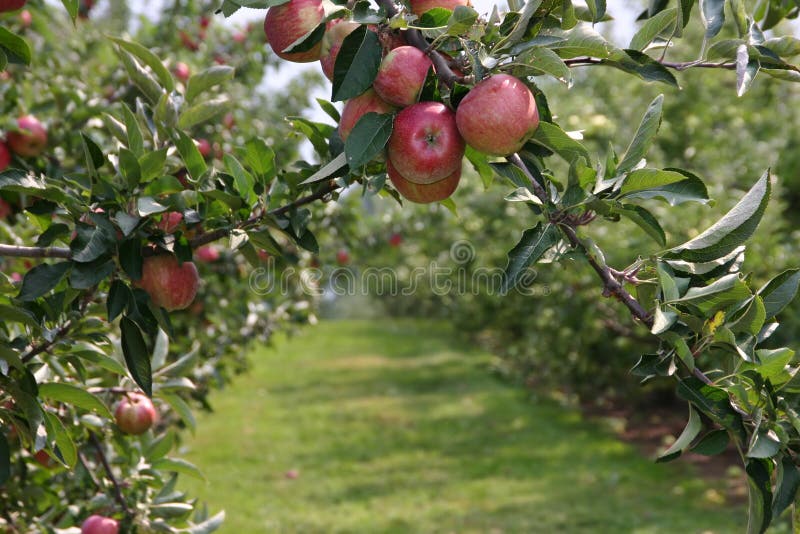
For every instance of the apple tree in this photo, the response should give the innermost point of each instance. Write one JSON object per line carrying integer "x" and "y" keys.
{"x": 114, "y": 202}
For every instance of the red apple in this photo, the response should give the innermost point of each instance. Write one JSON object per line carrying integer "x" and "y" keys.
{"x": 25, "y": 18}
{"x": 16, "y": 278}
{"x": 395, "y": 240}
{"x": 286, "y": 23}
{"x": 424, "y": 193}
{"x": 97, "y": 524}
{"x": 205, "y": 22}
{"x": 418, "y": 7}
{"x": 342, "y": 257}
{"x": 135, "y": 414}
{"x": 5, "y": 156}
{"x": 187, "y": 41}
{"x": 44, "y": 459}
{"x": 181, "y": 71}
{"x": 170, "y": 222}
{"x": 335, "y": 32}
{"x": 204, "y": 147}
{"x": 5, "y": 208}
{"x": 30, "y": 138}
{"x": 229, "y": 121}
{"x": 170, "y": 284}
{"x": 425, "y": 145}
{"x": 401, "y": 75}
{"x": 355, "y": 108}
{"x": 11, "y": 5}
{"x": 207, "y": 254}
{"x": 498, "y": 115}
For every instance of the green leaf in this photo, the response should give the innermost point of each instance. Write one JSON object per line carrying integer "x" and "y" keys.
{"x": 151, "y": 164}
{"x": 436, "y": 17}
{"x": 461, "y": 20}
{"x": 86, "y": 275}
{"x": 129, "y": 167}
{"x": 146, "y": 57}
{"x": 713, "y": 443}
{"x": 712, "y": 13}
{"x": 787, "y": 483}
{"x": 521, "y": 25}
{"x": 242, "y": 180}
{"x": 180, "y": 407}
{"x": 671, "y": 185}
{"x": 204, "y": 111}
{"x": 5, "y": 460}
{"x": 202, "y": 81}
{"x": 195, "y": 164}
{"x": 645, "y": 220}
{"x": 66, "y": 451}
{"x": 718, "y": 295}
{"x": 597, "y": 8}
{"x": 368, "y": 138}
{"x": 178, "y": 465}
{"x": 481, "y": 165}
{"x": 759, "y": 486}
{"x": 582, "y": 40}
{"x": 653, "y": 27}
{"x": 765, "y": 445}
{"x": 643, "y": 138}
{"x": 137, "y": 357}
{"x": 17, "y": 314}
{"x": 772, "y": 364}
{"x": 260, "y": 158}
{"x": 554, "y": 138}
{"x": 118, "y": 297}
{"x": 134, "y": 132}
{"x": 746, "y": 70}
{"x": 356, "y": 64}
{"x": 534, "y": 243}
{"x": 72, "y": 8}
{"x": 327, "y": 170}
{"x": 142, "y": 78}
{"x": 308, "y": 41}
{"x": 75, "y": 396}
{"x": 780, "y": 291}
{"x": 42, "y": 279}
{"x": 641, "y": 65}
{"x": 547, "y": 61}
{"x": 732, "y": 230}
{"x": 16, "y": 49}
{"x": 693, "y": 428}
{"x": 713, "y": 402}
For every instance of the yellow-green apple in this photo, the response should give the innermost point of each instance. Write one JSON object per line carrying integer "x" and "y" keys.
{"x": 207, "y": 254}
{"x": 401, "y": 75}
{"x": 181, "y": 71}
{"x": 171, "y": 285}
{"x": 29, "y": 139}
{"x": 5, "y": 156}
{"x": 135, "y": 414}
{"x": 11, "y": 5}
{"x": 498, "y": 115}
{"x": 97, "y": 524}
{"x": 424, "y": 193}
{"x": 418, "y": 7}
{"x": 335, "y": 32}
{"x": 425, "y": 145}
{"x": 170, "y": 222}
{"x": 286, "y": 23}
{"x": 357, "y": 107}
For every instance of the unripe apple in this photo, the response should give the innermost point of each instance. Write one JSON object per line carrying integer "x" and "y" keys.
{"x": 418, "y": 7}
{"x": 207, "y": 254}
{"x": 5, "y": 156}
{"x": 170, "y": 284}
{"x": 11, "y": 5}
{"x": 425, "y": 145}
{"x": 286, "y": 23}
{"x": 170, "y": 222}
{"x": 335, "y": 32}
{"x": 357, "y": 107}
{"x": 97, "y": 524}
{"x": 498, "y": 115}
{"x": 182, "y": 71}
{"x": 135, "y": 414}
{"x": 30, "y": 139}
{"x": 342, "y": 257}
{"x": 424, "y": 193}
{"x": 401, "y": 75}
{"x": 204, "y": 147}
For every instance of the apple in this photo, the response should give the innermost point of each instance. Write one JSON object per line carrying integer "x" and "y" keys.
{"x": 16, "y": 278}
{"x": 181, "y": 71}
{"x": 335, "y": 32}
{"x": 498, "y": 115}
{"x": 204, "y": 147}
{"x": 424, "y": 193}
{"x": 135, "y": 414}
{"x": 170, "y": 222}
{"x": 187, "y": 41}
{"x": 44, "y": 459}
{"x": 11, "y": 5}
{"x": 425, "y": 145}
{"x": 30, "y": 138}
{"x": 395, "y": 240}
{"x": 229, "y": 121}
{"x": 97, "y": 524}
{"x": 207, "y": 254}
{"x": 205, "y": 22}
{"x": 401, "y": 75}
{"x": 171, "y": 285}
{"x": 418, "y": 7}
{"x": 286, "y": 23}
{"x": 25, "y": 18}
{"x": 5, "y": 156}
{"x": 5, "y": 208}
{"x": 342, "y": 257}
{"x": 355, "y": 108}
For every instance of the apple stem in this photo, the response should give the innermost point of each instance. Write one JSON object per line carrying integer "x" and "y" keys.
{"x": 104, "y": 460}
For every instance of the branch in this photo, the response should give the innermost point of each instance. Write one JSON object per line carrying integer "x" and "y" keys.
{"x": 104, "y": 460}
{"x": 35, "y": 252}
{"x": 679, "y": 66}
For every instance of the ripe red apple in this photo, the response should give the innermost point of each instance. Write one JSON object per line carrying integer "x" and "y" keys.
{"x": 498, "y": 115}
{"x": 11, "y": 5}
{"x": 342, "y": 257}
{"x": 44, "y": 459}
{"x": 170, "y": 222}
{"x": 229, "y": 121}
{"x": 207, "y": 254}
{"x": 204, "y": 147}
{"x": 205, "y": 22}
{"x": 425, "y": 145}
{"x": 335, "y": 32}
{"x": 5, "y": 208}
{"x": 135, "y": 414}
{"x": 286, "y": 23}
{"x": 395, "y": 240}
{"x": 355, "y": 108}
{"x": 181, "y": 71}
{"x": 5, "y": 156}
{"x": 30, "y": 139}
{"x": 418, "y": 7}
{"x": 424, "y": 193}
{"x": 25, "y": 18}
{"x": 170, "y": 284}
{"x": 97, "y": 524}
{"x": 401, "y": 75}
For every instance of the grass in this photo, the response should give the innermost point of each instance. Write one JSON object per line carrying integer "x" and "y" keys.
{"x": 398, "y": 427}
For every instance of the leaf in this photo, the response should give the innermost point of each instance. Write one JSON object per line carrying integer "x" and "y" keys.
{"x": 137, "y": 358}
{"x": 534, "y": 243}
{"x": 118, "y": 297}
{"x": 16, "y": 49}
{"x": 772, "y": 363}
{"x": 720, "y": 294}
{"x": 202, "y": 81}
{"x": 190, "y": 155}
{"x": 653, "y": 27}
{"x": 554, "y": 138}
{"x": 72, "y": 8}
{"x": 86, "y": 275}
{"x": 368, "y": 138}
{"x": 780, "y": 291}
{"x": 693, "y": 428}
{"x": 134, "y": 133}
{"x": 712, "y": 13}
{"x": 787, "y": 484}
{"x": 260, "y": 158}
{"x": 713, "y": 443}
{"x": 66, "y": 451}
{"x": 746, "y": 70}
{"x": 671, "y": 185}
{"x": 641, "y": 65}
{"x": 547, "y": 61}
{"x": 764, "y": 445}
{"x": 582, "y": 40}
{"x": 41, "y": 279}
{"x": 204, "y": 111}
{"x": 481, "y": 165}
{"x": 5, "y": 459}
{"x": 356, "y": 64}
{"x": 75, "y": 396}
{"x": 308, "y": 41}
{"x": 180, "y": 406}
{"x": 327, "y": 170}
{"x": 461, "y": 20}
{"x": 733, "y": 229}
{"x": 713, "y": 402}
{"x": 146, "y": 57}
{"x": 521, "y": 25}
{"x": 643, "y": 138}
{"x": 178, "y": 465}
{"x": 242, "y": 180}
{"x": 759, "y": 496}
{"x": 597, "y": 8}
{"x": 645, "y": 220}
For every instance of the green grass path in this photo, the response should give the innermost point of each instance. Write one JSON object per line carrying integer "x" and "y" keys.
{"x": 398, "y": 427}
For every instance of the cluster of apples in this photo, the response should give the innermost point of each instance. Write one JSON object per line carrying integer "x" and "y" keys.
{"x": 425, "y": 151}
{"x": 27, "y": 141}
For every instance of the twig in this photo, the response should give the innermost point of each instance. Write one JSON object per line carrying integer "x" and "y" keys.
{"x": 104, "y": 460}
{"x": 34, "y": 252}
{"x": 679, "y": 66}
